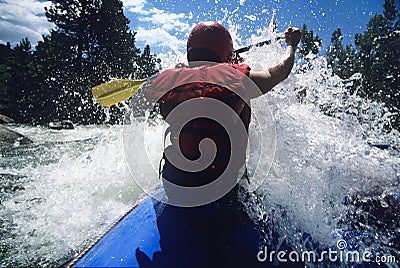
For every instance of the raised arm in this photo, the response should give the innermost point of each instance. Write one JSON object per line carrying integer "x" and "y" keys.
{"x": 270, "y": 77}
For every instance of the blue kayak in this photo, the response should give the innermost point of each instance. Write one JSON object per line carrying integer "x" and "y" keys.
{"x": 154, "y": 234}
{"x": 136, "y": 229}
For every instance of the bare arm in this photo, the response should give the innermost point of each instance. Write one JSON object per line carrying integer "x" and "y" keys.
{"x": 270, "y": 77}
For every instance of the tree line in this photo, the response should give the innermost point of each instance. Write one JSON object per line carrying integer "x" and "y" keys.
{"x": 375, "y": 55}
{"x": 90, "y": 44}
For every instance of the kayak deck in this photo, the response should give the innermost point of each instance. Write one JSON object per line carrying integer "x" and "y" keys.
{"x": 153, "y": 234}
{"x": 116, "y": 246}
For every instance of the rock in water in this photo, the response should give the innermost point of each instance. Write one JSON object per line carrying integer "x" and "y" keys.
{"x": 9, "y": 137}
{"x": 5, "y": 119}
{"x": 63, "y": 124}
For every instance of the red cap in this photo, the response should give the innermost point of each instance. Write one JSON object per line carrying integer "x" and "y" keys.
{"x": 211, "y": 35}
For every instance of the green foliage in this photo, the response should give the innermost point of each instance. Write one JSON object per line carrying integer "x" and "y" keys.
{"x": 19, "y": 84}
{"x": 379, "y": 56}
{"x": 147, "y": 66}
{"x": 309, "y": 42}
{"x": 90, "y": 44}
{"x": 5, "y": 99}
{"x": 5, "y": 75}
{"x": 147, "y": 63}
{"x": 342, "y": 60}
{"x": 376, "y": 56}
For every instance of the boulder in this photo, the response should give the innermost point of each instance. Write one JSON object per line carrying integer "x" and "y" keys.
{"x": 5, "y": 119}
{"x": 9, "y": 137}
{"x": 62, "y": 124}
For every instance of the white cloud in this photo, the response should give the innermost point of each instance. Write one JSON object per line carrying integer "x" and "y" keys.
{"x": 130, "y": 3}
{"x": 14, "y": 33}
{"x": 23, "y": 18}
{"x": 158, "y": 27}
{"x": 157, "y": 36}
{"x": 171, "y": 49}
{"x": 168, "y": 21}
{"x": 135, "y": 6}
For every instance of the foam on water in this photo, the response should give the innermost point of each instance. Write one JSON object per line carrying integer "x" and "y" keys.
{"x": 69, "y": 192}
{"x": 322, "y": 158}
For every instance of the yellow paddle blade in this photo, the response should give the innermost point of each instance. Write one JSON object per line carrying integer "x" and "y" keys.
{"x": 115, "y": 91}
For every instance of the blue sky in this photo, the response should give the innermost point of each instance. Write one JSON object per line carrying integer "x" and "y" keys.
{"x": 158, "y": 22}
{"x": 165, "y": 24}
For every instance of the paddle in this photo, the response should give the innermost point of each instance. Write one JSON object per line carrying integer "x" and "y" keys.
{"x": 260, "y": 44}
{"x": 119, "y": 90}
{"x": 115, "y": 91}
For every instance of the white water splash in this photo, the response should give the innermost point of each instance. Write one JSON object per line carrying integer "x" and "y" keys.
{"x": 322, "y": 154}
{"x": 70, "y": 192}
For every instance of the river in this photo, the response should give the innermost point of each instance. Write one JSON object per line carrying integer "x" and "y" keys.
{"x": 58, "y": 194}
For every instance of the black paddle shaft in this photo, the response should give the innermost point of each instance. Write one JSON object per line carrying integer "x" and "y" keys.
{"x": 247, "y": 48}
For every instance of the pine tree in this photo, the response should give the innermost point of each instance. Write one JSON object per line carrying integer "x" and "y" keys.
{"x": 5, "y": 75}
{"x": 113, "y": 52}
{"x": 341, "y": 59}
{"x": 391, "y": 45}
{"x": 309, "y": 42}
{"x": 379, "y": 56}
{"x": 148, "y": 64}
{"x": 22, "y": 83}
{"x": 91, "y": 44}
{"x": 55, "y": 57}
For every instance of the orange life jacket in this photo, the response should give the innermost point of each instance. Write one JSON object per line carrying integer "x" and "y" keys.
{"x": 223, "y": 82}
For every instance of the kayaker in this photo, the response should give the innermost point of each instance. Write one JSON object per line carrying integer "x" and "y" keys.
{"x": 203, "y": 150}
{"x": 207, "y": 107}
